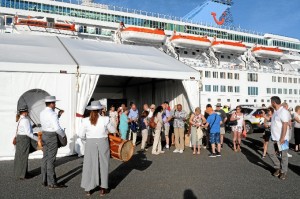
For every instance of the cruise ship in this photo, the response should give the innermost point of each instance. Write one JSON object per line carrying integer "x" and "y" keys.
{"x": 236, "y": 66}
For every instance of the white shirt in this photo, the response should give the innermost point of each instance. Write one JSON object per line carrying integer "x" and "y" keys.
{"x": 279, "y": 116}
{"x": 49, "y": 121}
{"x": 100, "y": 130}
{"x": 150, "y": 114}
{"x": 297, "y": 124}
{"x": 24, "y": 128}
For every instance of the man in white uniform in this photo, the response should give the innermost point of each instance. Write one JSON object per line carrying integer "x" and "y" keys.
{"x": 50, "y": 127}
{"x": 279, "y": 136}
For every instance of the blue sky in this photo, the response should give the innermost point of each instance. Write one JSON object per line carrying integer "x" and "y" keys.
{"x": 280, "y": 17}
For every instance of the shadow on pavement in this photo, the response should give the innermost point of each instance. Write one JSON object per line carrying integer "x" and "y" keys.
{"x": 295, "y": 168}
{"x": 70, "y": 175}
{"x": 59, "y": 161}
{"x": 254, "y": 159}
{"x": 138, "y": 161}
{"x": 253, "y": 144}
{"x": 228, "y": 142}
{"x": 189, "y": 194}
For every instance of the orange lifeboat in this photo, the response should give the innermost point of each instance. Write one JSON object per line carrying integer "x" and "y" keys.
{"x": 44, "y": 24}
{"x": 192, "y": 42}
{"x": 268, "y": 52}
{"x": 144, "y": 35}
{"x": 229, "y": 47}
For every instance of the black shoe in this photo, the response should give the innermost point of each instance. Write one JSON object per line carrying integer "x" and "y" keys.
{"x": 57, "y": 186}
{"x": 218, "y": 154}
{"x": 44, "y": 184}
{"x": 213, "y": 155}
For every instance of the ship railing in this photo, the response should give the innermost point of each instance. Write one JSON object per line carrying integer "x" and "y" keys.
{"x": 158, "y": 15}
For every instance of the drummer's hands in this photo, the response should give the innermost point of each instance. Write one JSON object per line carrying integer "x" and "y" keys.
{"x": 60, "y": 112}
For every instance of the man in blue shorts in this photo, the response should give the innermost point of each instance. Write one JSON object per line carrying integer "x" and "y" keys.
{"x": 214, "y": 122}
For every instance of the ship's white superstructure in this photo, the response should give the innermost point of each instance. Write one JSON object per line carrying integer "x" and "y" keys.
{"x": 237, "y": 66}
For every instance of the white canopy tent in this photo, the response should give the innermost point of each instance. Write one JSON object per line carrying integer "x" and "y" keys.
{"x": 71, "y": 70}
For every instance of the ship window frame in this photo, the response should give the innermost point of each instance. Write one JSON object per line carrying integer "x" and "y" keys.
{"x": 222, "y": 75}
{"x": 207, "y": 88}
{"x": 215, "y": 88}
{"x": 223, "y": 89}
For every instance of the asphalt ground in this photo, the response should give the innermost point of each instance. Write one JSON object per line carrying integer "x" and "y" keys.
{"x": 233, "y": 175}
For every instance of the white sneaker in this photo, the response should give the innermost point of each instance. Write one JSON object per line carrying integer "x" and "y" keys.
{"x": 176, "y": 151}
{"x": 180, "y": 151}
{"x": 289, "y": 155}
{"x": 167, "y": 146}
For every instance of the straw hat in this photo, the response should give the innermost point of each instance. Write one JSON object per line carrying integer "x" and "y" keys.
{"x": 50, "y": 99}
{"x": 218, "y": 105}
{"x": 95, "y": 105}
{"x": 23, "y": 108}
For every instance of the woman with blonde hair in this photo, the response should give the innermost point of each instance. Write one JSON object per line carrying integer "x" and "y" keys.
{"x": 196, "y": 121}
{"x": 94, "y": 130}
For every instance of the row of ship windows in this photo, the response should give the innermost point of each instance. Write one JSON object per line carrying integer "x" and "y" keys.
{"x": 254, "y": 100}
{"x": 251, "y": 77}
{"x": 80, "y": 13}
{"x": 285, "y": 79}
{"x": 230, "y": 89}
{"x": 222, "y": 75}
{"x": 284, "y": 91}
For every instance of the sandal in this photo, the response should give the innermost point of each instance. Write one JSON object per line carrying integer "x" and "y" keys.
{"x": 87, "y": 193}
{"x": 103, "y": 192}
{"x": 194, "y": 153}
{"x": 198, "y": 152}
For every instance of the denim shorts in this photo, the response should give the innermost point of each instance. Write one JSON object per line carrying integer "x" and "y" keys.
{"x": 214, "y": 138}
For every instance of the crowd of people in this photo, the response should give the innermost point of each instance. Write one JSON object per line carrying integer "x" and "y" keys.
{"x": 154, "y": 124}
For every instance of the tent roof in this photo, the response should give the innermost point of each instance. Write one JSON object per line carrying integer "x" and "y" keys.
{"x": 127, "y": 60}
{"x": 28, "y": 53}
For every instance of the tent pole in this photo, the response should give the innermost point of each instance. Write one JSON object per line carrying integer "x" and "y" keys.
{"x": 153, "y": 91}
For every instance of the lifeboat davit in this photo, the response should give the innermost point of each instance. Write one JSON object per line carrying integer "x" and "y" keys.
{"x": 192, "y": 42}
{"x": 229, "y": 47}
{"x": 268, "y": 52}
{"x": 144, "y": 35}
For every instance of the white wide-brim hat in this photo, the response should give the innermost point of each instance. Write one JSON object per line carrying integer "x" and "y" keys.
{"x": 95, "y": 105}
{"x": 50, "y": 99}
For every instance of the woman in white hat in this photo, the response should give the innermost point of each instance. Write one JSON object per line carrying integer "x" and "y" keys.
{"x": 24, "y": 138}
{"x": 94, "y": 130}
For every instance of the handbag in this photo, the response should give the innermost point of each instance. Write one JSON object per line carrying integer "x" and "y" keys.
{"x": 187, "y": 140}
{"x": 232, "y": 123}
{"x": 62, "y": 141}
{"x": 199, "y": 133}
{"x": 15, "y": 138}
{"x": 244, "y": 134}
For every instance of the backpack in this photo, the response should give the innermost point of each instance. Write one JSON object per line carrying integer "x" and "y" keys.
{"x": 152, "y": 123}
